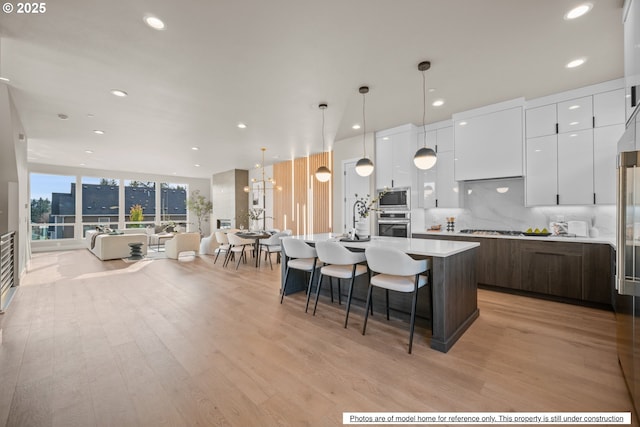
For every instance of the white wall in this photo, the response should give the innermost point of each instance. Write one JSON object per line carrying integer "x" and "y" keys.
{"x": 202, "y": 184}
{"x": 348, "y": 149}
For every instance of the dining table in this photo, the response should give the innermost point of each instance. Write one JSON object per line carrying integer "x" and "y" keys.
{"x": 256, "y": 236}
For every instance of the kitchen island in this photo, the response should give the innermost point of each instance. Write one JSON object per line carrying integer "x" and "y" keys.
{"x": 454, "y": 297}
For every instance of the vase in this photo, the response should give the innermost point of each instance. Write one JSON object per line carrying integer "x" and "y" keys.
{"x": 362, "y": 227}
{"x": 255, "y": 225}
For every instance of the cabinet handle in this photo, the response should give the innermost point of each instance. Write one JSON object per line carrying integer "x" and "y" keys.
{"x": 436, "y": 203}
{"x": 557, "y": 128}
{"x": 557, "y": 199}
{"x": 391, "y": 183}
{"x": 594, "y": 198}
{"x": 593, "y": 124}
{"x": 549, "y": 253}
{"x": 634, "y": 98}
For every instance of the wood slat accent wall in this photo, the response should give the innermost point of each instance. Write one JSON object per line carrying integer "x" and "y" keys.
{"x": 304, "y": 205}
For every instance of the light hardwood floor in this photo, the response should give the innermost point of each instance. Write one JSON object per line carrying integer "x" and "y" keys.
{"x": 167, "y": 342}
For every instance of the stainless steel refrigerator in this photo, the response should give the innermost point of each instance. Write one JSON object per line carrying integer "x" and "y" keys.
{"x": 627, "y": 295}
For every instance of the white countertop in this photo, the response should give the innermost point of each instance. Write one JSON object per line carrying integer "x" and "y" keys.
{"x": 602, "y": 240}
{"x": 425, "y": 247}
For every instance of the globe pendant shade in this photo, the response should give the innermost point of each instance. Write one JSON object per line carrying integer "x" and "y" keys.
{"x": 323, "y": 174}
{"x": 425, "y": 158}
{"x": 364, "y": 167}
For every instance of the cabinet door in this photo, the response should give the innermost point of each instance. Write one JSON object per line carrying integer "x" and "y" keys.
{"x": 554, "y": 269}
{"x": 631, "y": 55}
{"x": 448, "y": 189}
{"x": 384, "y": 162}
{"x": 402, "y": 153}
{"x": 605, "y": 141}
{"x": 445, "y": 139}
{"x": 542, "y": 171}
{"x": 597, "y": 283}
{"x": 576, "y": 114}
{"x": 541, "y": 121}
{"x": 428, "y": 186}
{"x": 608, "y": 108}
{"x": 575, "y": 168}
{"x": 490, "y": 145}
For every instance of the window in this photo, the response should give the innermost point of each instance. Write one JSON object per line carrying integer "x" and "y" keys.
{"x": 100, "y": 202}
{"x": 173, "y": 202}
{"x": 53, "y": 206}
{"x": 139, "y": 194}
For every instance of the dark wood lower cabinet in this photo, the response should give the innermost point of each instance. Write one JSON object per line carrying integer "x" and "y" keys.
{"x": 552, "y": 268}
{"x": 577, "y": 271}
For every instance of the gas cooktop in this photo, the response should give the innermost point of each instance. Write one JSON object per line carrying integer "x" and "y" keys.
{"x": 492, "y": 232}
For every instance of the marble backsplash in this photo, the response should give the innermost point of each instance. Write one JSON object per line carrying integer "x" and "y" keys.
{"x": 486, "y": 208}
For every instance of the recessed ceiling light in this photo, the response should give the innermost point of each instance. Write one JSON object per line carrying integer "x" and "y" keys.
{"x": 573, "y": 135}
{"x": 538, "y": 150}
{"x": 154, "y": 22}
{"x": 438, "y": 103}
{"x": 98, "y": 132}
{"x": 356, "y": 126}
{"x": 462, "y": 123}
{"x": 573, "y": 123}
{"x": 63, "y": 116}
{"x": 88, "y": 151}
{"x": 195, "y": 148}
{"x": 574, "y": 107}
{"x": 502, "y": 190}
{"x": 242, "y": 126}
{"x": 578, "y": 11}
{"x": 197, "y": 165}
{"x": 82, "y": 164}
{"x": 119, "y": 93}
{"x": 4, "y": 79}
{"x": 386, "y": 138}
{"x": 575, "y": 63}
{"x": 174, "y": 173}
{"x": 91, "y": 115}
{"x": 431, "y": 89}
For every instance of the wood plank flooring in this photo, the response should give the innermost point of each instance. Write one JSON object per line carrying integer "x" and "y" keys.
{"x": 167, "y": 342}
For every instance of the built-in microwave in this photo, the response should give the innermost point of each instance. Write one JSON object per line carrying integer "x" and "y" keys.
{"x": 395, "y": 198}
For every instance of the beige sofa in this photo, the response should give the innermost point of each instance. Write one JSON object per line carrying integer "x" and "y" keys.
{"x": 107, "y": 246}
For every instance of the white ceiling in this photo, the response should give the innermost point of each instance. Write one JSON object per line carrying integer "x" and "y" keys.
{"x": 270, "y": 63}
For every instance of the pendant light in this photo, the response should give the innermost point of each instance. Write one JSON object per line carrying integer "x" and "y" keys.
{"x": 364, "y": 166}
{"x": 425, "y": 158}
{"x": 323, "y": 174}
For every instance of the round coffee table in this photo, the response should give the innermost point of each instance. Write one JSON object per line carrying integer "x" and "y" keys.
{"x": 136, "y": 251}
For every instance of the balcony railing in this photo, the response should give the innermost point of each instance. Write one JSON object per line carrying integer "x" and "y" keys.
{"x": 7, "y": 266}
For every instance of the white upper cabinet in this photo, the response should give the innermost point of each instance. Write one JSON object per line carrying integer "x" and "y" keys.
{"x": 394, "y": 157}
{"x": 437, "y": 186}
{"x": 489, "y": 142}
{"x": 608, "y": 108}
{"x": 605, "y": 140}
{"x": 575, "y": 168}
{"x": 541, "y": 121}
{"x": 542, "y": 166}
{"x": 590, "y": 121}
{"x": 631, "y": 56}
{"x": 576, "y": 114}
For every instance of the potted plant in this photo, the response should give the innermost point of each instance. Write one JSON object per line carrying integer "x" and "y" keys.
{"x": 201, "y": 207}
{"x": 136, "y": 215}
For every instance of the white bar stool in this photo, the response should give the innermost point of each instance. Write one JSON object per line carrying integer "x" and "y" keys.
{"x": 301, "y": 257}
{"x": 397, "y": 272}
{"x": 340, "y": 263}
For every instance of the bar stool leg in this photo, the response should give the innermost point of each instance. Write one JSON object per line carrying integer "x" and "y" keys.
{"x": 413, "y": 313}
{"x": 353, "y": 279}
{"x": 284, "y": 284}
{"x": 315, "y": 306}
{"x": 313, "y": 270}
{"x": 366, "y": 308}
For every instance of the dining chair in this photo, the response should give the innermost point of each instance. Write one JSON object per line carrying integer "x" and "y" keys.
{"x": 300, "y": 256}
{"x": 397, "y": 272}
{"x": 271, "y": 245}
{"x": 237, "y": 245}
{"x": 223, "y": 245}
{"x": 340, "y": 263}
